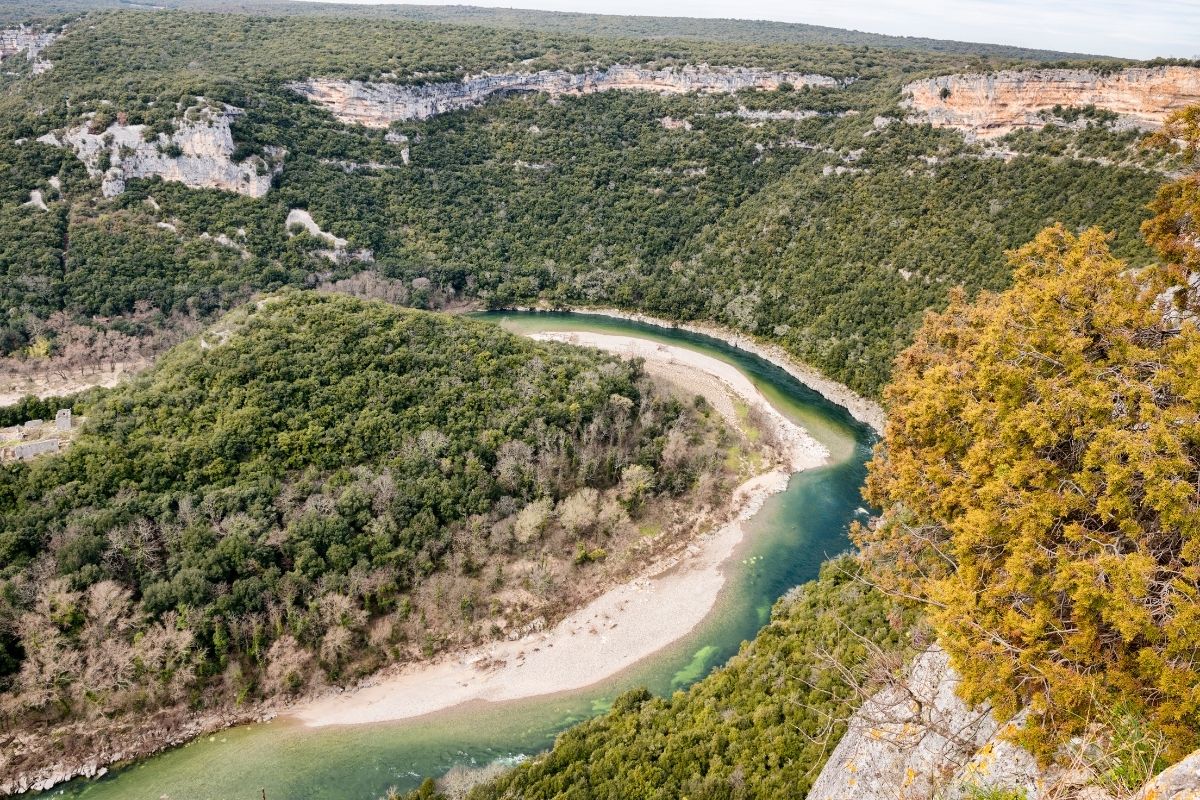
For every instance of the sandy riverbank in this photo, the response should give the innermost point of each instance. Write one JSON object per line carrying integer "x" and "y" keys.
{"x": 620, "y": 627}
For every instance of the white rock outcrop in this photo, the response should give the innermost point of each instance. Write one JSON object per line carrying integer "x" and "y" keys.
{"x": 917, "y": 740}
{"x": 378, "y": 105}
{"x": 37, "y": 200}
{"x": 992, "y": 105}
{"x": 28, "y": 41}
{"x": 198, "y": 154}
{"x": 770, "y": 116}
{"x": 338, "y": 252}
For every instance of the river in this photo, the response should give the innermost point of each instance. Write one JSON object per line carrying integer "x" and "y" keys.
{"x": 789, "y": 538}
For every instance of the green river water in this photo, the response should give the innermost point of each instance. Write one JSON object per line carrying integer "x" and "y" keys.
{"x": 789, "y": 538}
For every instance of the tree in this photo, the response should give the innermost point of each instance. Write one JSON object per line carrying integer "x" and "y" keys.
{"x": 577, "y": 513}
{"x": 1174, "y": 230}
{"x": 1039, "y": 471}
{"x": 636, "y": 482}
{"x": 532, "y": 519}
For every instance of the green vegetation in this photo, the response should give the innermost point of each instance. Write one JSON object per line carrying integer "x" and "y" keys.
{"x": 1038, "y": 475}
{"x": 313, "y": 489}
{"x": 320, "y": 486}
{"x": 828, "y": 235}
{"x": 640, "y": 27}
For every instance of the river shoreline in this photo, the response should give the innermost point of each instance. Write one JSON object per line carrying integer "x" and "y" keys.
{"x": 704, "y": 562}
{"x": 863, "y": 409}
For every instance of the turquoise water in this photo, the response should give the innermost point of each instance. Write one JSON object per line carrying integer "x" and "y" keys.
{"x": 789, "y": 538}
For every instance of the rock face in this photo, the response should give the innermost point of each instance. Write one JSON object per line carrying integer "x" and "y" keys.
{"x": 993, "y": 105}
{"x": 377, "y": 105}
{"x": 23, "y": 39}
{"x": 198, "y": 154}
{"x": 1180, "y": 782}
{"x": 919, "y": 740}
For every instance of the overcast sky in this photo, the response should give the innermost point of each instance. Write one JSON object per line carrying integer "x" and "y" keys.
{"x": 1129, "y": 28}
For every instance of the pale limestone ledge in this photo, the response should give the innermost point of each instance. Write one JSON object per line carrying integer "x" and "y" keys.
{"x": 917, "y": 740}
{"x": 28, "y": 41}
{"x": 378, "y": 105}
{"x": 299, "y": 218}
{"x": 992, "y": 105}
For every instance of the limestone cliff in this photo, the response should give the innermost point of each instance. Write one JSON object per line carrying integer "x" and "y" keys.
{"x": 993, "y": 105}
{"x": 377, "y": 105}
{"x": 199, "y": 154}
{"x": 916, "y": 740}
{"x": 26, "y": 40}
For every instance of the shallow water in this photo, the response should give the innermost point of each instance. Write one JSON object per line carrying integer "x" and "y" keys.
{"x": 789, "y": 538}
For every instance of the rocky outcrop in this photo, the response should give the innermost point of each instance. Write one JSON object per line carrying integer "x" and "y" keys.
{"x": 26, "y": 40}
{"x": 338, "y": 252}
{"x": 1180, "y": 782}
{"x": 199, "y": 154}
{"x": 915, "y": 740}
{"x": 993, "y": 105}
{"x": 378, "y": 105}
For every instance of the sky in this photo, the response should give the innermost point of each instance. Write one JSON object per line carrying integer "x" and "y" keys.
{"x": 1128, "y": 28}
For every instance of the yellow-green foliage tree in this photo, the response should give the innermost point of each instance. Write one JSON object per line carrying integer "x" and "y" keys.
{"x": 1174, "y": 230}
{"x": 1040, "y": 471}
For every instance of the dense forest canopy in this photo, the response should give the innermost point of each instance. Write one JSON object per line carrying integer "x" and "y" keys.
{"x": 609, "y": 26}
{"x": 314, "y": 488}
{"x": 827, "y": 233}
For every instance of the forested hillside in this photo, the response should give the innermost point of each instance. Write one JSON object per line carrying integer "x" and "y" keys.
{"x": 315, "y": 488}
{"x": 1038, "y": 475}
{"x": 306, "y": 487}
{"x": 642, "y": 27}
{"x": 812, "y": 217}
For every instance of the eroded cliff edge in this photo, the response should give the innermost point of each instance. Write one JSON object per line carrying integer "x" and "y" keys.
{"x": 917, "y": 740}
{"x": 378, "y": 105}
{"x": 24, "y": 39}
{"x": 995, "y": 104}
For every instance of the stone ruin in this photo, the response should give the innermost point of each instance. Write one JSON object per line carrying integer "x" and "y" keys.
{"x": 29, "y": 440}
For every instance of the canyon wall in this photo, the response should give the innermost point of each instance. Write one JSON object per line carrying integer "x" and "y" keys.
{"x": 993, "y": 105}
{"x": 198, "y": 154}
{"x": 28, "y": 41}
{"x": 377, "y": 105}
